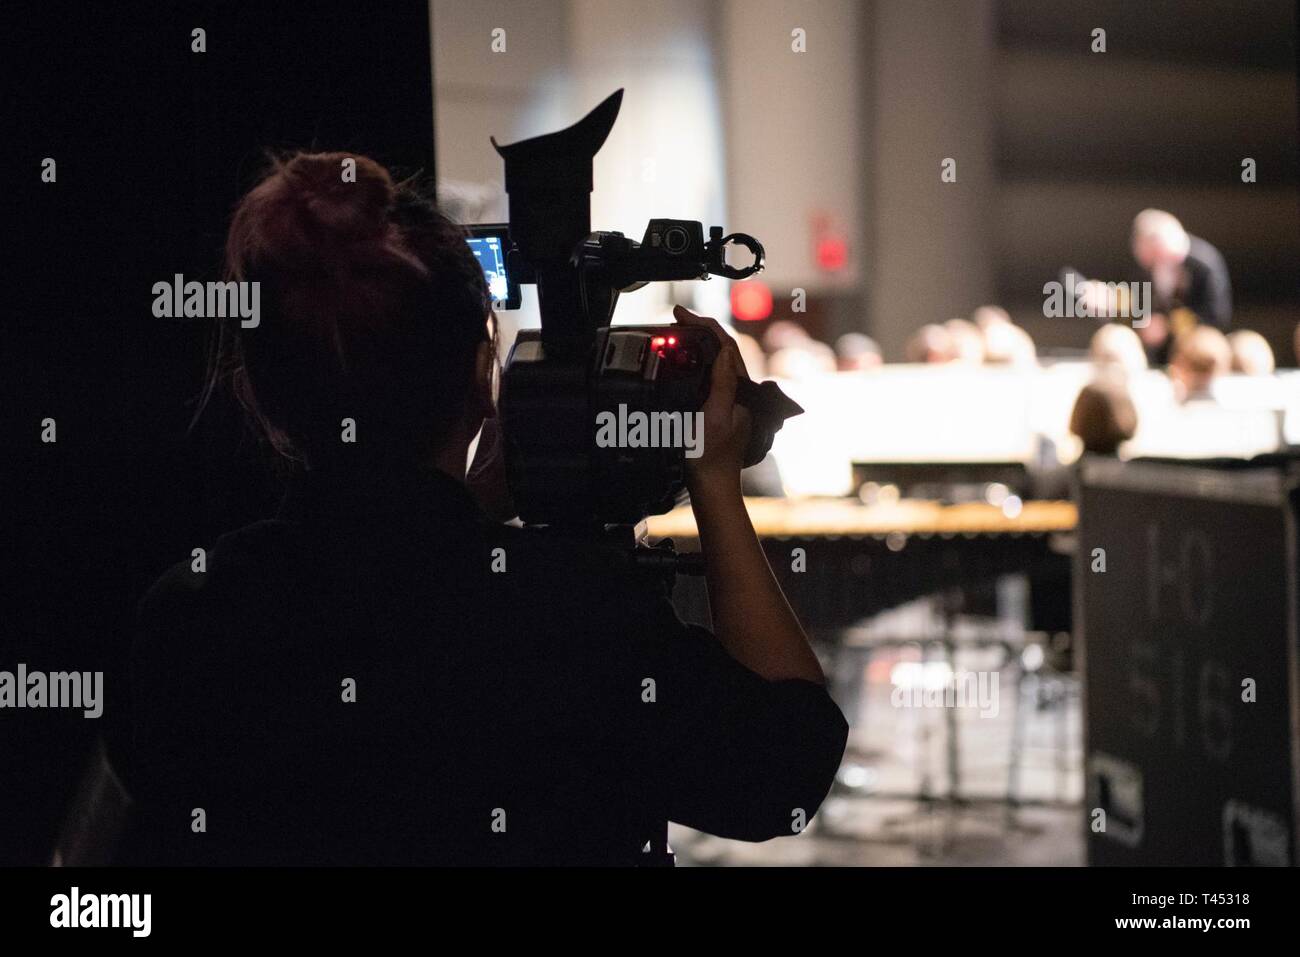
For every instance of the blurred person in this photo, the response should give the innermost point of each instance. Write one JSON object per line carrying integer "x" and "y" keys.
{"x": 1251, "y": 353}
{"x": 1189, "y": 281}
{"x": 474, "y": 695}
{"x": 783, "y": 333}
{"x": 855, "y": 352}
{"x": 1200, "y": 356}
{"x": 985, "y": 316}
{"x": 751, "y": 352}
{"x": 1117, "y": 345}
{"x": 1006, "y": 344}
{"x": 1104, "y": 416}
{"x": 807, "y": 358}
{"x": 931, "y": 344}
{"x": 967, "y": 341}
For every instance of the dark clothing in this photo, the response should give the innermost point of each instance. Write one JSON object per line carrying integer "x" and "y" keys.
{"x": 1205, "y": 289}
{"x": 500, "y": 717}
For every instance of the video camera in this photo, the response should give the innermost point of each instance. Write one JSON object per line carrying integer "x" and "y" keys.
{"x": 569, "y": 390}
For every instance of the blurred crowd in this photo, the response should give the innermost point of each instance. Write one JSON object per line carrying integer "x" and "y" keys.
{"x": 1180, "y": 332}
{"x": 1104, "y": 415}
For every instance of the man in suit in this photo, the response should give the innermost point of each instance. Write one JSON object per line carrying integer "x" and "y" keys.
{"x": 1189, "y": 281}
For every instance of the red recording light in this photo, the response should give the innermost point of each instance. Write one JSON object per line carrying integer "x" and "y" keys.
{"x": 661, "y": 345}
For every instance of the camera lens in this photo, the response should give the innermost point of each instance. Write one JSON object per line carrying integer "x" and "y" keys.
{"x": 676, "y": 240}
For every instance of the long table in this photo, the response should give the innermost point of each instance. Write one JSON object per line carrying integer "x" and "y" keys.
{"x": 817, "y": 518}
{"x": 839, "y": 561}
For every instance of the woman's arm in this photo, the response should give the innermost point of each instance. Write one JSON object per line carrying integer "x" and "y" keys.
{"x": 751, "y": 617}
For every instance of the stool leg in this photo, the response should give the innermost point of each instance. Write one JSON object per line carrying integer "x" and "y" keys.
{"x": 1017, "y": 746}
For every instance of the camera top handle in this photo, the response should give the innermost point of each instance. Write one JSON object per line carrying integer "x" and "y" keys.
{"x": 717, "y": 254}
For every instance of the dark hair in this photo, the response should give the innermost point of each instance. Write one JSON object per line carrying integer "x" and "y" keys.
{"x": 372, "y": 308}
{"x": 1103, "y": 416}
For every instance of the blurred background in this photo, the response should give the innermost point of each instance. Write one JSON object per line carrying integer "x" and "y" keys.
{"x": 832, "y": 156}
{"x": 919, "y": 170}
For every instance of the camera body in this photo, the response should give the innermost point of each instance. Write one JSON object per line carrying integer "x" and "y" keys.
{"x": 604, "y": 440}
{"x": 599, "y": 420}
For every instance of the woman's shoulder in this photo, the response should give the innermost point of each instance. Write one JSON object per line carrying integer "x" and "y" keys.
{"x": 579, "y": 584}
{"x": 236, "y": 556}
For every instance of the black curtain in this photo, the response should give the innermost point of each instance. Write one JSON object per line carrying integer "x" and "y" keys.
{"x": 153, "y": 144}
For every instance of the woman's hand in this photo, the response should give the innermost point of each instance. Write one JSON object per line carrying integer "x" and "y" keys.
{"x": 726, "y": 424}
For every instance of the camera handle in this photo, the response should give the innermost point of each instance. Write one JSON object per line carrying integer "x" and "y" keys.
{"x": 716, "y": 248}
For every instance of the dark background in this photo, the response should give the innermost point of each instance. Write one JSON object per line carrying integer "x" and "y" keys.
{"x": 154, "y": 144}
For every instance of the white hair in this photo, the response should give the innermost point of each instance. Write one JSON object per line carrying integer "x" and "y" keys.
{"x": 1163, "y": 227}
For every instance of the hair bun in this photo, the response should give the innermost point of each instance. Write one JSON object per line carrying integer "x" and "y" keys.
{"x": 342, "y": 201}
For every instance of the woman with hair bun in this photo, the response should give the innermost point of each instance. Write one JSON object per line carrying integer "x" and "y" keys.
{"x": 383, "y": 673}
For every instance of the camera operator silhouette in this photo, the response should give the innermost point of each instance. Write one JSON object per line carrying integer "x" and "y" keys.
{"x": 384, "y": 672}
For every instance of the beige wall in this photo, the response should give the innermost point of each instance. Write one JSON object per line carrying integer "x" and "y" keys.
{"x": 931, "y": 100}
{"x": 794, "y": 133}
{"x": 665, "y": 156}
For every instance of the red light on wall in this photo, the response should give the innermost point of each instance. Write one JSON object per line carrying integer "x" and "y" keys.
{"x": 751, "y": 301}
{"x": 832, "y": 253}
